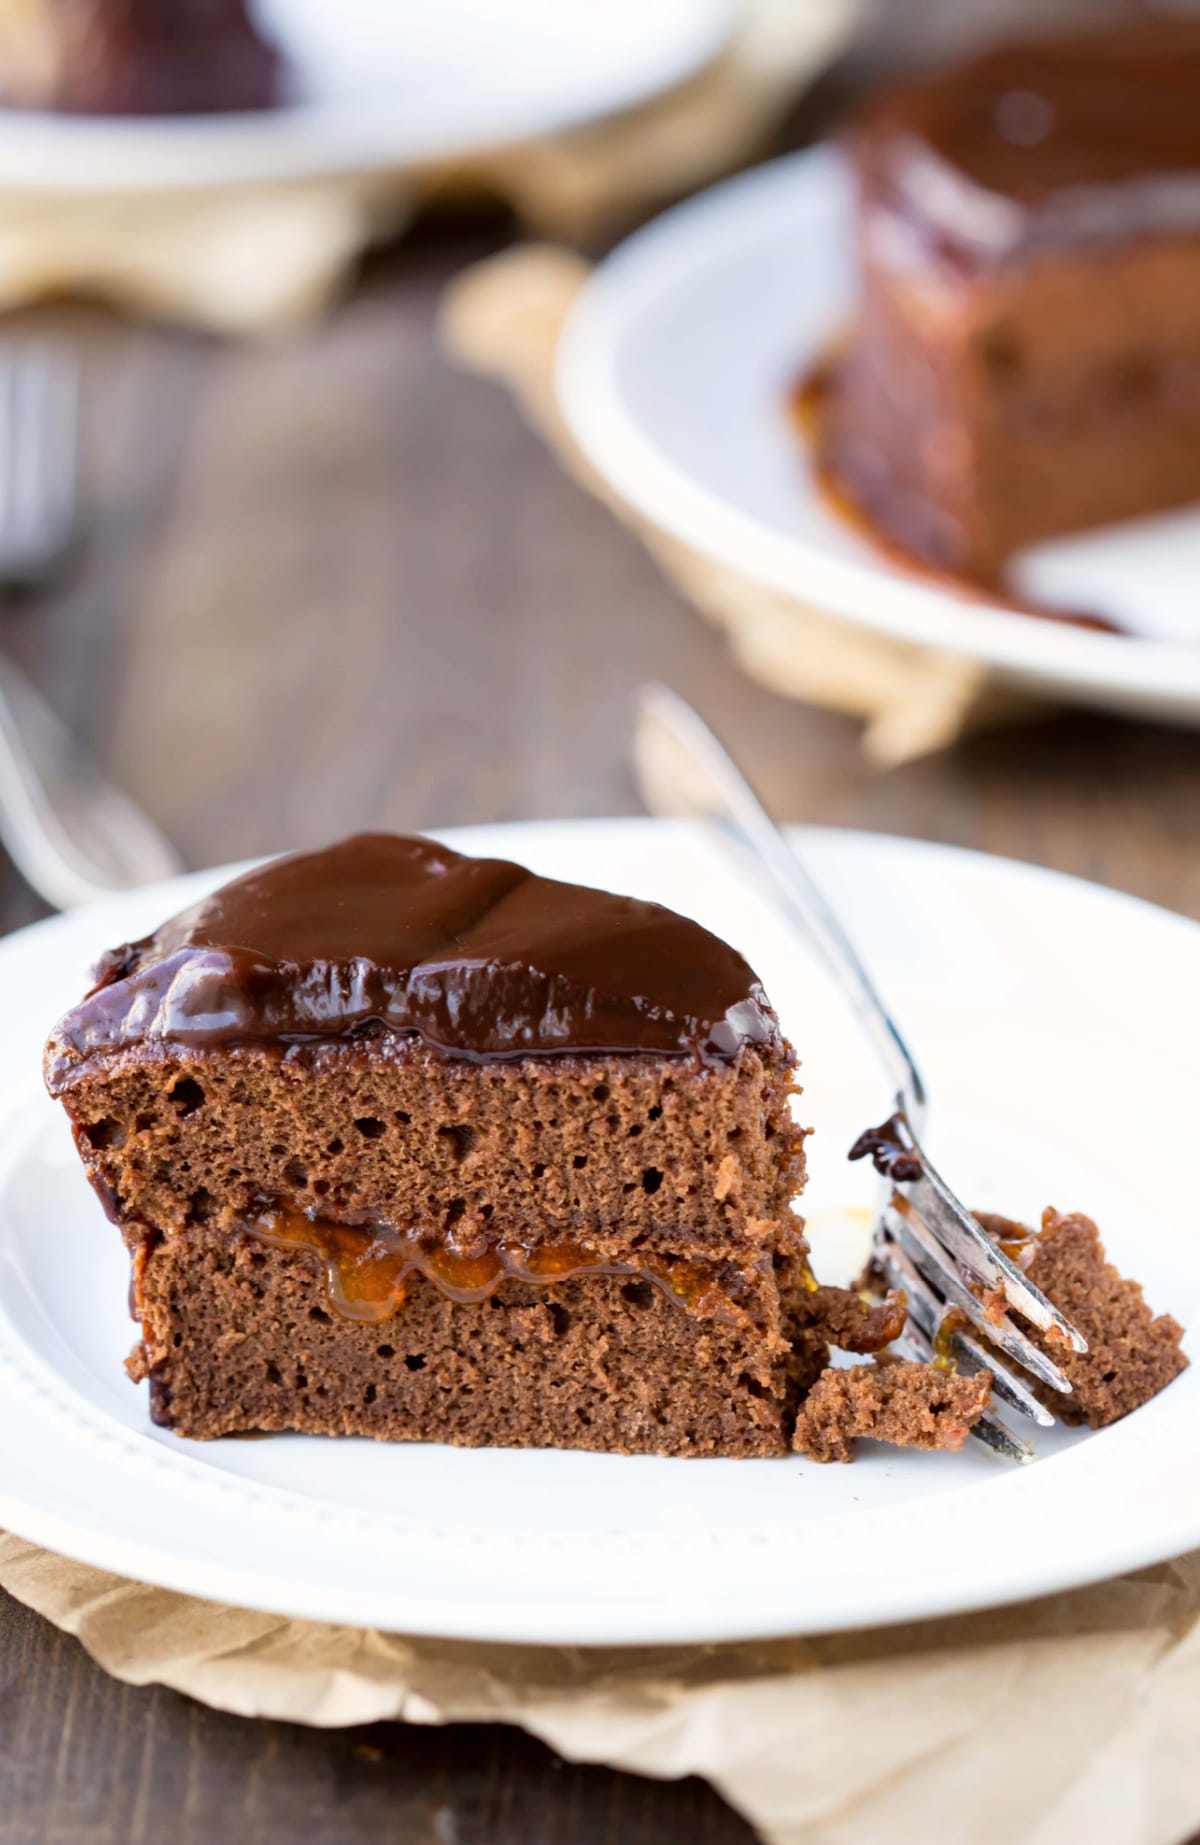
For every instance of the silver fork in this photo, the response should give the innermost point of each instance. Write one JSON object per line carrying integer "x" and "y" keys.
{"x": 71, "y": 833}
{"x": 39, "y": 461}
{"x": 925, "y": 1237}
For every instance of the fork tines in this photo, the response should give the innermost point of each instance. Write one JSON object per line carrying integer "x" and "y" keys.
{"x": 930, "y": 1246}
{"x": 943, "y": 1331}
{"x": 927, "y": 1243}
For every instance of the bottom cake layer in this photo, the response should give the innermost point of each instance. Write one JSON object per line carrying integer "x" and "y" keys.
{"x": 241, "y": 1334}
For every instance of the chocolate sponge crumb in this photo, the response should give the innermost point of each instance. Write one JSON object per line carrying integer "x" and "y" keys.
{"x": 855, "y": 1325}
{"x": 1132, "y": 1353}
{"x": 893, "y": 1400}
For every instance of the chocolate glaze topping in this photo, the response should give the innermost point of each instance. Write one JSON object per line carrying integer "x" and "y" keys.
{"x": 477, "y": 957}
{"x": 1042, "y": 143}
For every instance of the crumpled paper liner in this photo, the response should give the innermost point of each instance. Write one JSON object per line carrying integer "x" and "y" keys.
{"x": 503, "y": 317}
{"x": 1074, "y": 1717}
{"x": 245, "y": 259}
{"x": 234, "y": 260}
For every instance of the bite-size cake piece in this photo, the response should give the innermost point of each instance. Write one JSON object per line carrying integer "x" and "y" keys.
{"x": 421, "y": 1146}
{"x": 1133, "y": 1353}
{"x": 892, "y": 1400}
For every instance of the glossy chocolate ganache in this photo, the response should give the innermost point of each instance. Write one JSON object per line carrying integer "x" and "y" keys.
{"x": 1041, "y": 144}
{"x": 479, "y": 958}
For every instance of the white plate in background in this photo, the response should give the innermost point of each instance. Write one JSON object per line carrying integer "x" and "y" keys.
{"x": 674, "y": 372}
{"x": 386, "y": 83}
{"x": 1057, "y": 1024}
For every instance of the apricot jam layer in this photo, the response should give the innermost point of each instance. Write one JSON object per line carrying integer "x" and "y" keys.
{"x": 368, "y": 1268}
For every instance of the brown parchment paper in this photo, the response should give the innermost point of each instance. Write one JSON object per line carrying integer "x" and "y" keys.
{"x": 1071, "y": 1718}
{"x": 503, "y": 318}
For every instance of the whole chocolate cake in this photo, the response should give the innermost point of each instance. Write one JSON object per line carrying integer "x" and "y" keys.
{"x": 134, "y": 57}
{"x": 1025, "y": 356}
{"x": 421, "y": 1146}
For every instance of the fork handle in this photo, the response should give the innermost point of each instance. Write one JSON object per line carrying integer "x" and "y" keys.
{"x": 71, "y": 834}
{"x": 683, "y": 768}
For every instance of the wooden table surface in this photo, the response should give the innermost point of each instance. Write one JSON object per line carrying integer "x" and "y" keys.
{"x": 332, "y": 584}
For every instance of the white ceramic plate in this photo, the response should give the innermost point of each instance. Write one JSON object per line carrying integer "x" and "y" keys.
{"x": 387, "y": 83}
{"x": 1057, "y": 1023}
{"x": 674, "y": 372}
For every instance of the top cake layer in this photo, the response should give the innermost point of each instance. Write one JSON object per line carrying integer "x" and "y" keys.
{"x": 1043, "y": 143}
{"x": 479, "y": 958}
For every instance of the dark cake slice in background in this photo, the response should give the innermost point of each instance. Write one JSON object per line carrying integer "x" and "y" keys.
{"x": 419, "y": 1146}
{"x": 135, "y": 57}
{"x": 1024, "y": 359}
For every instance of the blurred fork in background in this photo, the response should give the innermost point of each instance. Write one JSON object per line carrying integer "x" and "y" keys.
{"x": 39, "y": 462}
{"x": 72, "y": 835}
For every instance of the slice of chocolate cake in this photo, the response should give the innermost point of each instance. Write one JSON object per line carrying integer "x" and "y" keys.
{"x": 1132, "y": 1352}
{"x": 424, "y": 1147}
{"x": 1025, "y": 354}
{"x": 135, "y": 57}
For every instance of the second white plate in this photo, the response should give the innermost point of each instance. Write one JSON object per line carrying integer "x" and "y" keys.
{"x": 385, "y": 83}
{"x": 674, "y": 374}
